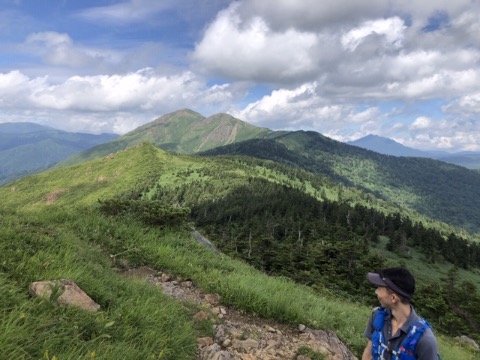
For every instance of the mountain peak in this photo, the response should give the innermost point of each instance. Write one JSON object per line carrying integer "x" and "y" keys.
{"x": 386, "y": 146}
{"x": 185, "y": 111}
{"x": 183, "y": 131}
{"x": 227, "y": 118}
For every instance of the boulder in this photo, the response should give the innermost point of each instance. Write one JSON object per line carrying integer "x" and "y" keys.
{"x": 69, "y": 293}
{"x": 468, "y": 340}
{"x": 330, "y": 345}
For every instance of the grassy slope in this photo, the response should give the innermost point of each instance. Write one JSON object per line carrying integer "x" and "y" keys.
{"x": 67, "y": 238}
{"x": 136, "y": 321}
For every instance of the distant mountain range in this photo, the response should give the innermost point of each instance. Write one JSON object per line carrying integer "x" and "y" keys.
{"x": 411, "y": 178}
{"x": 419, "y": 184}
{"x": 387, "y": 146}
{"x": 183, "y": 131}
{"x": 27, "y": 148}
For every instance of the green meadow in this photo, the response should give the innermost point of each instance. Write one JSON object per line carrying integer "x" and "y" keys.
{"x": 52, "y": 227}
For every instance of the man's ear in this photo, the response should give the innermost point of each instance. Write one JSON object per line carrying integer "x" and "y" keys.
{"x": 395, "y": 298}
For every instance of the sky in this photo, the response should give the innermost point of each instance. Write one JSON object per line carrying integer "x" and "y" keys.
{"x": 406, "y": 70}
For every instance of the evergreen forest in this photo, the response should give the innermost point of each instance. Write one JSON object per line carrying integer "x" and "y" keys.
{"x": 423, "y": 185}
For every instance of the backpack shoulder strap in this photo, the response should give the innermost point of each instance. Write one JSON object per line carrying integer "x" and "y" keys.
{"x": 377, "y": 337}
{"x": 406, "y": 351}
{"x": 379, "y": 318}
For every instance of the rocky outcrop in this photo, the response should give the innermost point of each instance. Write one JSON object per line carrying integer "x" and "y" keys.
{"x": 64, "y": 293}
{"x": 240, "y": 336}
{"x": 237, "y": 340}
{"x": 469, "y": 341}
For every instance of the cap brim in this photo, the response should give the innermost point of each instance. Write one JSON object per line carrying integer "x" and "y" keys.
{"x": 376, "y": 279}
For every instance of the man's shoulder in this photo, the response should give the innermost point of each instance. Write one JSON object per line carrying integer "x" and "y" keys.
{"x": 419, "y": 322}
{"x": 428, "y": 334}
{"x": 427, "y": 341}
{"x": 420, "y": 340}
{"x": 427, "y": 347}
{"x": 375, "y": 309}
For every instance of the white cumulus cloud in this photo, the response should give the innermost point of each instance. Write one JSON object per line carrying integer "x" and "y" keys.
{"x": 59, "y": 49}
{"x": 252, "y": 51}
{"x": 421, "y": 123}
{"x": 121, "y": 101}
{"x": 391, "y": 30}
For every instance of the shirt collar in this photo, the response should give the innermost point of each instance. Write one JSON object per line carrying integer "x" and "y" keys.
{"x": 410, "y": 320}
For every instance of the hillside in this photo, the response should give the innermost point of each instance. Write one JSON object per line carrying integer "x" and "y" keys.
{"x": 28, "y": 148}
{"x": 54, "y": 227}
{"x": 422, "y": 185}
{"x": 184, "y": 131}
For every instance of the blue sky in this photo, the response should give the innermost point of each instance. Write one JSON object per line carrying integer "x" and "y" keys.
{"x": 409, "y": 71}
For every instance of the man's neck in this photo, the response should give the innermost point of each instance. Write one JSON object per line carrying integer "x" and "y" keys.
{"x": 401, "y": 312}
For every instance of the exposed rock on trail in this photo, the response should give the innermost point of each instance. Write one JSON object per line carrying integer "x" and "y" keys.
{"x": 239, "y": 336}
{"x": 64, "y": 293}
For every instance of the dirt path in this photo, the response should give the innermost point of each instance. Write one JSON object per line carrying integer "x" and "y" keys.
{"x": 241, "y": 336}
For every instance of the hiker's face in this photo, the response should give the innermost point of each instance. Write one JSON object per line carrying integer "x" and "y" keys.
{"x": 384, "y": 296}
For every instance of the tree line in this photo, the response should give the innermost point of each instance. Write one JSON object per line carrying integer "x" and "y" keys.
{"x": 327, "y": 245}
{"x": 324, "y": 244}
{"x": 425, "y": 185}
{"x": 290, "y": 214}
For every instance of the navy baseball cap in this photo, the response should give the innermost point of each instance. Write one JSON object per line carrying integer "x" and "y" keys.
{"x": 399, "y": 280}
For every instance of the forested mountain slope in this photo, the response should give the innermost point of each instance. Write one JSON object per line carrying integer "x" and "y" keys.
{"x": 442, "y": 191}
{"x": 435, "y": 189}
{"x": 277, "y": 218}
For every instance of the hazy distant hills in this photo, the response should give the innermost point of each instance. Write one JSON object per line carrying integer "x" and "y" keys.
{"x": 469, "y": 160}
{"x": 387, "y": 146}
{"x": 27, "y": 148}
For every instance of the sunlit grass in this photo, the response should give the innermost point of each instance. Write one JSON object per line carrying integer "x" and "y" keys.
{"x": 136, "y": 321}
{"x": 68, "y": 238}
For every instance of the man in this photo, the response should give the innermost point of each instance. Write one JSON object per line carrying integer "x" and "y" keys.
{"x": 396, "y": 320}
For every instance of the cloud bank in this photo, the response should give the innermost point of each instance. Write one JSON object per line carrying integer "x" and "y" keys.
{"x": 406, "y": 70}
